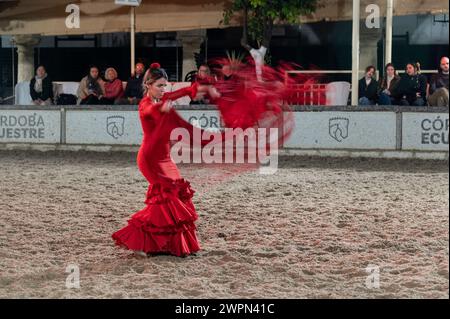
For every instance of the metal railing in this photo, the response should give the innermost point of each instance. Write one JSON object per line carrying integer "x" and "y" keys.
{"x": 315, "y": 94}
{"x": 312, "y": 94}
{"x": 307, "y": 94}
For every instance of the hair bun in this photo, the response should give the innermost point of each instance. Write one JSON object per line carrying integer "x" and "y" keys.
{"x": 155, "y": 65}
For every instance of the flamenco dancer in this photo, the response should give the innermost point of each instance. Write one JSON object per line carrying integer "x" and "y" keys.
{"x": 167, "y": 224}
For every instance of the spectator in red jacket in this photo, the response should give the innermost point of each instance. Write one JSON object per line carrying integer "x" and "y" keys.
{"x": 113, "y": 87}
{"x": 203, "y": 77}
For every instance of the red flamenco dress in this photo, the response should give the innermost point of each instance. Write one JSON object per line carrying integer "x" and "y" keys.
{"x": 166, "y": 225}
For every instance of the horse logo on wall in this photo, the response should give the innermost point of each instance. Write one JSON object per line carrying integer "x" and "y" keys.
{"x": 338, "y": 128}
{"x": 115, "y": 126}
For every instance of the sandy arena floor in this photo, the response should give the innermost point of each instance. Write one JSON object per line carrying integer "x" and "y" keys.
{"x": 309, "y": 231}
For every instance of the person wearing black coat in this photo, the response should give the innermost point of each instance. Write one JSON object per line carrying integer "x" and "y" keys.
{"x": 41, "y": 88}
{"x": 388, "y": 84}
{"x": 412, "y": 88}
{"x": 134, "y": 90}
{"x": 368, "y": 88}
{"x": 438, "y": 95}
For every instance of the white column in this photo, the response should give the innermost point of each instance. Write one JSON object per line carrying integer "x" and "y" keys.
{"x": 133, "y": 38}
{"x": 25, "y": 56}
{"x": 191, "y": 41}
{"x": 355, "y": 50}
{"x": 389, "y": 23}
{"x": 368, "y": 46}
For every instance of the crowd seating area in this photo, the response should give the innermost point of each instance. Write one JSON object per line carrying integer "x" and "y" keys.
{"x": 335, "y": 93}
{"x": 22, "y": 91}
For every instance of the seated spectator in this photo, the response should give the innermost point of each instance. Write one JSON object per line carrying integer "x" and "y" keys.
{"x": 203, "y": 77}
{"x": 368, "y": 88}
{"x": 412, "y": 88}
{"x": 41, "y": 88}
{"x": 227, "y": 72}
{"x": 134, "y": 90}
{"x": 387, "y": 85}
{"x": 438, "y": 94}
{"x": 423, "y": 77}
{"x": 203, "y": 74}
{"x": 91, "y": 88}
{"x": 113, "y": 87}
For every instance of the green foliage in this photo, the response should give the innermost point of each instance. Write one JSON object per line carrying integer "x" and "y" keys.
{"x": 235, "y": 57}
{"x": 264, "y": 13}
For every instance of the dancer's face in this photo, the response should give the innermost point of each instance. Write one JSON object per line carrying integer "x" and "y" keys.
{"x": 158, "y": 88}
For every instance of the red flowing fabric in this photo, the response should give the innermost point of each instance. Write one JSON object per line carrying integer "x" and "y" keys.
{"x": 167, "y": 223}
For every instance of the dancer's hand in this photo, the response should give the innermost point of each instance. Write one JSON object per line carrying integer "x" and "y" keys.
{"x": 200, "y": 96}
{"x": 167, "y": 106}
{"x": 202, "y": 88}
{"x": 211, "y": 90}
{"x": 213, "y": 93}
